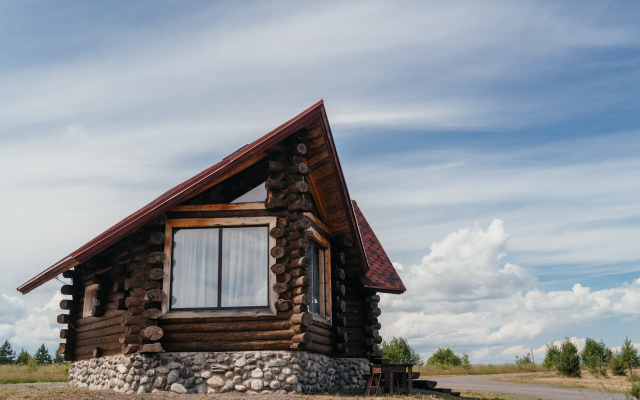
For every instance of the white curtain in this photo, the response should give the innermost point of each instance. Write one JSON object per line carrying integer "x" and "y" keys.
{"x": 195, "y": 272}
{"x": 245, "y": 265}
{"x": 314, "y": 276}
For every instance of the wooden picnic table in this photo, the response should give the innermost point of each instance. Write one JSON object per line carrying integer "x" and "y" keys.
{"x": 397, "y": 378}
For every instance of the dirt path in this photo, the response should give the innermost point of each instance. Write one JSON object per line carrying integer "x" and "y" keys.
{"x": 484, "y": 384}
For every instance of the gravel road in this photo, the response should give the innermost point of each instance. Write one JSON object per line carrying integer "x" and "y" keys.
{"x": 483, "y": 384}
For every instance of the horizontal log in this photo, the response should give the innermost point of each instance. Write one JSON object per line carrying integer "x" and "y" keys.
{"x": 300, "y": 244}
{"x": 300, "y": 205}
{"x": 227, "y": 336}
{"x": 151, "y": 348}
{"x": 338, "y": 274}
{"x": 285, "y": 296}
{"x": 304, "y": 318}
{"x": 300, "y": 308}
{"x": 91, "y": 323}
{"x": 339, "y": 306}
{"x": 129, "y": 338}
{"x": 313, "y": 328}
{"x": 132, "y": 283}
{"x": 97, "y": 341}
{"x": 300, "y": 224}
{"x": 277, "y": 166}
{"x": 129, "y": 348}
{"x": 315, "y": 338}
{"x": 278, "y": 148}
{"x": 300, "y": 149}
{"x": 66, "y": 319}
{"x": 155, "y": 295}
{"x": 71, "y": 274}
{"x": 339, "y": 258}
{"x": 88, "y": 350}
{"x": 108, "y": 331}
{"x": 154, "y": 274}
{"x": 342, "y": 241}
{"x": 300, "y": 290}
{"x": 299, "y": 271}
{"x": 302, "y": 299}
{"x": 151, "y": 285}
{"x": 160, "y": 220}
{"x": 67, "y": 333}
{"x": 313, "y": 347}
{"x": 299, "y": 187}
{"x": 301, "y": 281}
{"x": 373, "y": 313}
{"x": 277, "y": 232}
{"x": 280, "y": 268}
{"x": 301, "y": 338}
{"x": 283, "y": 278}
{"x": 283, "y": 305}
{"x": 64, "y": 348}
{"x": 227, "y": 346}
{"x": 98, "y": 262}
{"x": 278, "y": 252}
{"x": 299, "y": 169}
{"x": 272, "y": 184}
{"x": 97, "y": 311}
{"x": 70, "y": 290}
{"x": 302, "y": 262}
{"x": 68, "y": 305}
{"x": 281, "y": 287}
{"x": 97, "y": 352}
{"x": 228, "y": 326}
{"x": 152, "y": 313}
{"x": 152, "y": 237}
{"x": 373, "y": 298}
{"x": 274, "y": 203}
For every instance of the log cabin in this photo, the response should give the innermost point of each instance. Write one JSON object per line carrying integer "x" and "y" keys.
{"x": 262, "y": 257}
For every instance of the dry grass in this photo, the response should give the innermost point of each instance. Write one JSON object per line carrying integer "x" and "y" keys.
{"x": 610, "y": 383}
{"x": 45, "y": 373}
{"x": 67, "y": 393}
{"x": 491, "y": 396}
{"x": 476, "y": 369}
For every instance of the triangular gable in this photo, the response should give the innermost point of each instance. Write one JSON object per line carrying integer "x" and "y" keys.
{"x": 344, "y": 220}
{"x": 382, "y": 276}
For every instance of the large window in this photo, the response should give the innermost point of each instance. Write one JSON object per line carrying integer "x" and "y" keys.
{"x": 220, "y": 267}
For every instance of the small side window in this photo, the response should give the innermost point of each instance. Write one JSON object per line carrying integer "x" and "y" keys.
{"x": 316, "y": 276}
{"x": 90, "y": 293}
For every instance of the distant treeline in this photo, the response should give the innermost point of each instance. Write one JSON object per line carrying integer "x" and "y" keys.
{"x": 41, "y": 356}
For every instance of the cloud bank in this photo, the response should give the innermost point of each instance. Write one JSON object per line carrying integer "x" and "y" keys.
{"x": 460, "y": 295}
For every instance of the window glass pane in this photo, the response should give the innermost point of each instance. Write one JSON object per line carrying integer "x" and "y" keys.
{"x": 257, "y": 194}
{"x": 195, "y": 268}
{"x": 245, "y": 265}
{"x": 313, "y": 273}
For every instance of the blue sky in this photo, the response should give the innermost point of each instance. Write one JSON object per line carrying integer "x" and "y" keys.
{"x": 494, "y": 142}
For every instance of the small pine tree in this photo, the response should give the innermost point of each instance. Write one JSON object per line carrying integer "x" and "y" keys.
{"x": 32, "y": 365}
{"x": 7, "y": 355}
{"x": 58, "y": 359}
{"x": 616, "y": 364}
{"x": 629, "y": 355}
{"x": 568, "y": 362}
{"x": 594, "y": 356}
{"x": 399, "y": 352}
{"x": 551, "y": 359}
{"x": 23, "y": 357}
{"x": 42, "y": 356}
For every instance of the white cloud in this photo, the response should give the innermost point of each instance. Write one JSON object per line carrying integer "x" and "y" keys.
{"x": 460, "y": 296}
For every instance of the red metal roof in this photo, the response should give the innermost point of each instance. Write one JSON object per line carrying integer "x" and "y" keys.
{"x": 382, "y": 275}
{"x": 194, "y": 185}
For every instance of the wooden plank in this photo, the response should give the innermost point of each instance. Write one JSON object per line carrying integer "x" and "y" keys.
{"x": 318, "y": 222}
{"x": 221, "y": 207}
{"x": 227, "y": 346}
{"x": 319, "y": 199}
{"x": 204, "y": 222}
{"x": 286, "y": 334}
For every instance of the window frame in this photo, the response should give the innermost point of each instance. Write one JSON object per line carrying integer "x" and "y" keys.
{"x": 257, "y": 311}
{"x": 90, "y": 297}
{"x": 325, "y": 295}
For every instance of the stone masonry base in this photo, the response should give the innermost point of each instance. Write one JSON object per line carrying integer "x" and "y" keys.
{"x": 220, "y": 372}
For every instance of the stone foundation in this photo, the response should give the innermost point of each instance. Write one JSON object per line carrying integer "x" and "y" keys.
{"x": 282, "y": 372}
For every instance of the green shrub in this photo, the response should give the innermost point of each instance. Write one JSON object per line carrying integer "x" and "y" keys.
{"x": 616, "y": 364}
{"x": 568, "y": 362}
{"x": 524, "y": 360}
{"x": 58, "y": 359}
{"x": 551, "y": 358}
{"x": 594, "y": 356}
{"x": 23, "y": 357}
{"x": 399, "y": 352}
{"x": 635, "y": 390}
{"x": 465, "y": 360}
{"x": 445, "y": 357}
{"x": 32, "y": 365}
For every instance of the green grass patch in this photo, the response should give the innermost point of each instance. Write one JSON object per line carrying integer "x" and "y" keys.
{"x": 9, "y": 381}
{"x": 12, "y": 374}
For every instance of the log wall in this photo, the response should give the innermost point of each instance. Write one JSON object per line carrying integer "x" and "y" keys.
{"x": 126, "y": 317}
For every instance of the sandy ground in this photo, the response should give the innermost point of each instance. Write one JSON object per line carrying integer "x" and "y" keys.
{"x": 491, "y": 385}
{"x": 610, "y": 383}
